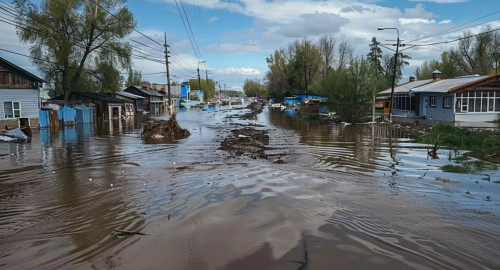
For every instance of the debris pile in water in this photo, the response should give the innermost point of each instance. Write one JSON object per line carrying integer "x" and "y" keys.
{"x": 248, "y": 141}
{"x": 168, "y": 129}
{"x": 256, "y": 108}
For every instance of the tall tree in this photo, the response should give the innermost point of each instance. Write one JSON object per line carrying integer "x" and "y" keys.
{"x": 134, "y": 78}
{"x": 207, "y": 86}
{"x": 350, "y": 90}
{"x": 345, "y": 54}
{"x": 476, "y": 54}
{"x": 76, "y": 43}
{"x": 254, "y": 88}
{"x": 388, "y": 65}
{"x": 375, "y": 56}
{"x": 327, "y": 50}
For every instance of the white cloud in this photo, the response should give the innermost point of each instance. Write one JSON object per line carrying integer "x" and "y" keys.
{"x": 213, "y": 19}
{"x": 404, "y": 21}
{"x": 240, "y": 71}
{"x": 441, "y": 1}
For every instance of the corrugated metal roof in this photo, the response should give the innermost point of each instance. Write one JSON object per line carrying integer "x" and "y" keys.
{"x": 444, "y": 86}
{"x": 405, "y": 87}
{"x": 129, "y": 95}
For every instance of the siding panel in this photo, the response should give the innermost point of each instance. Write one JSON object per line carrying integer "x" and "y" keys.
{"x": 27, "y": 97}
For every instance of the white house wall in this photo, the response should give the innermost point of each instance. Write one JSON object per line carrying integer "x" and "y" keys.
{"x": 477, "y": 117}
{"x": 28, "y": 99}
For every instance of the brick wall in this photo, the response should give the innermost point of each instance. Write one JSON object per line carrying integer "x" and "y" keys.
{"x": 10, "y": 123}
{"x": 14, "y": 123}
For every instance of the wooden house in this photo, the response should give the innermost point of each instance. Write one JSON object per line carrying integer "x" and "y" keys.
{"x": 19, "y": 96}
{"x": 153, "y": 100}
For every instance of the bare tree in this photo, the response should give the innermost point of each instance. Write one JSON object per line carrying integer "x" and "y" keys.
{"x": 327, "y": 49}
{"x": 345, "y": 54}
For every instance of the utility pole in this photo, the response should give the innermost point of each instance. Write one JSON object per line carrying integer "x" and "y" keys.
{"x": 199, "y": 80}
{"x": 206, "y": 71}
{"x": 305, "y": 65}
{"x": 395, "y": 68}
{"x": 168, "y": 75}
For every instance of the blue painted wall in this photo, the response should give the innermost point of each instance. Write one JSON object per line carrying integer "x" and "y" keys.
{"x": 437, "y": 113}
{"x": 291, "y": 100}
{"x": 185, "y": 92}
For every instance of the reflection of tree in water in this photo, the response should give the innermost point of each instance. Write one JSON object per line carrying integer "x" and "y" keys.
{"x": 358, "y": 146}
{"x": 75, "y": 206}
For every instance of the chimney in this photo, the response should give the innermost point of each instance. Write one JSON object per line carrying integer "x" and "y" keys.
{"x": 436, "y": 75}
{"x": 412, "y": 79}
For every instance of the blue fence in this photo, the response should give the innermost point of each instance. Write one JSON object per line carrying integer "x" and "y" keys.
{"x": 69, "y": 115}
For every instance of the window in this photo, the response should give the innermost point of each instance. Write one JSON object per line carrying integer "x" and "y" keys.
{"x": 432, "y": 101}
{"x": 403, "y": 102}
{"x": 447, "y": 102}
{"x": 12, "y": 109}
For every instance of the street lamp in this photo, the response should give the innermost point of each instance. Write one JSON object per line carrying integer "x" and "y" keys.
{"x": 395, "y": 68}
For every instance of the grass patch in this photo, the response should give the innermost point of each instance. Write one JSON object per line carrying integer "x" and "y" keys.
{"x": 461, "y": 158}
{"x": 496, "y": 182}
{"x": 456, "y": 169}
{"x": 481, "y": 144}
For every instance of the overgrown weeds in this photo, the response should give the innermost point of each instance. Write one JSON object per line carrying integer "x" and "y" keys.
{"x": 481, "y": 144}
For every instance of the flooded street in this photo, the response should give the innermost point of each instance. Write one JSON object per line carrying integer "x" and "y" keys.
{"x": 343, "y": 197}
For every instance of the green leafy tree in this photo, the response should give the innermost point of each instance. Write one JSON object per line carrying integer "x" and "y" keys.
{"x": 254, "y": 88}
{"x": 207, "y": 86}
{"x": 134, "y": 78}
{"x": 350, "y": 90}
{"x": 77, "y": 43}
{"x": 388, "y": 66}
{"x": 375, "y": 56}
{"x": 293, "y": 69}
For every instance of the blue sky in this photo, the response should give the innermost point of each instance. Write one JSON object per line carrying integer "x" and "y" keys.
{"x": 234, "y": 37}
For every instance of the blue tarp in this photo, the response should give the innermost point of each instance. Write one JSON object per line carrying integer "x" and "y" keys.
{"x": 69, "y": 115}
{"x": 44, "y": 119}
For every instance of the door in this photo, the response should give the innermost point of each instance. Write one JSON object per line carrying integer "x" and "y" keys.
{"x": 425, "y": 106}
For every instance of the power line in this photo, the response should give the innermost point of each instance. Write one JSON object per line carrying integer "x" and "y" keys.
{"x": 454, "y": 40}
{"x": 460, "y": 25}
{"x": 191, "y": 30}
{"x": 187, "y": 31}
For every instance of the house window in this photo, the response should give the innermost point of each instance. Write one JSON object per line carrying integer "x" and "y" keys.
{"x": 403, "y": 102}
{"x": 12, "y": 109}
{"x": 432, "y": 101}
{"x": 447, "y": 102}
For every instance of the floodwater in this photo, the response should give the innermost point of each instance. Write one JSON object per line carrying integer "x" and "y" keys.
{"x": 346, "y": 197}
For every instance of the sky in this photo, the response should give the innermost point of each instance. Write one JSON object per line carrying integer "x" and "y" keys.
{"x": 232, "y": 38}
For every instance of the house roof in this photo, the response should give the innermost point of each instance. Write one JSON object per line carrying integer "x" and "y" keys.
{"x": 445, "y": 86}
{"x": 481, "y": 79}
{"x": 129, "y": 95}
{"x": 20, "y": 70}
{"x": 438, "y": 86}
{"x": 405, "y": 87}
{"x": 149, "y": 92}
{"x": 97, "y": 96}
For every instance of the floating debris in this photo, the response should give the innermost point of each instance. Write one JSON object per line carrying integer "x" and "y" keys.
{"x": 122, "y": 234}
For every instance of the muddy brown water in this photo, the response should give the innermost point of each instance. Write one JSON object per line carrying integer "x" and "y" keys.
{"x": 332, "y": 204}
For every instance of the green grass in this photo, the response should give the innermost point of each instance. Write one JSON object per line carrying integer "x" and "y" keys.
{"x": 461, "y": 158}
{"x": 456, "y": 169}
{"x": 496, "y": 182}
{"x": 481, "y": 143}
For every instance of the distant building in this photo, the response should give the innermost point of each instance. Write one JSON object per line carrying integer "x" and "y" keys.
{"x": 19, "y": 96}
{"x": 153, "y": 99}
